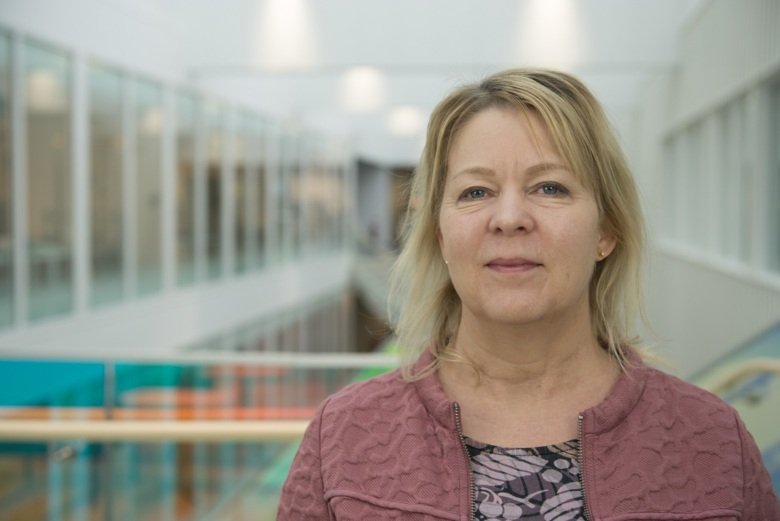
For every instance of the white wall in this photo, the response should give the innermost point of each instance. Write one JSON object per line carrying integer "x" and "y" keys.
{"x": 133, "y": 34}
{"x": 701, "y": 306}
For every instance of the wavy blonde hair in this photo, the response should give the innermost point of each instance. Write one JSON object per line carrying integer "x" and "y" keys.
{"x": 423, "y": 302}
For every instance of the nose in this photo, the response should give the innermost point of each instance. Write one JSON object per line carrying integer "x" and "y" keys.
{"x": 511, "y": 214}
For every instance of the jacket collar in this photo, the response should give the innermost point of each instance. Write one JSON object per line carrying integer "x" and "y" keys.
{"x": 600, "y": 418}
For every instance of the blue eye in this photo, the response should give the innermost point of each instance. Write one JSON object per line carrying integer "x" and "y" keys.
{"x": 474, "y": 193}
{"x": 552, "y": 189}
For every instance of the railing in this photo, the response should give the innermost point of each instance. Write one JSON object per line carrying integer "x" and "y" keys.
{"x": 198, "y": 437}
{"x": 211, "y": 435}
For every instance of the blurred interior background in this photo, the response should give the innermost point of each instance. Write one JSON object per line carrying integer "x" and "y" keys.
{"x": 199, "y": 203}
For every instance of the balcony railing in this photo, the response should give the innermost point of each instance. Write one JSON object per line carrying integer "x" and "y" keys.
{"x": 211, "y": 435}
{"x": 207, "y": 436}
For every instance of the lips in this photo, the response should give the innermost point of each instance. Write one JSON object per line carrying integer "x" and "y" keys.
{"x": 512, "y": 264}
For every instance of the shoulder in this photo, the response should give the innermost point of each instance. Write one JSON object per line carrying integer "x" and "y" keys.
{"x": 378, "y": 395}
{"x": 677, "y": 419}
{"x": 674, "y": 437}
{"x": 671, "y": 396}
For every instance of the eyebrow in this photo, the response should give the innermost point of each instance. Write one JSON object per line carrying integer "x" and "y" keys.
{"x": 532, "y": 170}
{"x": 543, "y": 167}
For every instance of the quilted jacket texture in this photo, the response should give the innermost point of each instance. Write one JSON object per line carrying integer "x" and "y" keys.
{"x": 656, "y": 448}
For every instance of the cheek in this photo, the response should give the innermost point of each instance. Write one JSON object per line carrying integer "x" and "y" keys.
{"x": 455, "y": 245}
{"x": 578, "y": 246}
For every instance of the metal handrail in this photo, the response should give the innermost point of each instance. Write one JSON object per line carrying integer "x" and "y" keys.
{"x": 747, "y": 369}
{"x": 152, "y": 431}
{"x": 300, "y": 359}
{"x": 195, "y": 430}
{"x": 239, "y": 430}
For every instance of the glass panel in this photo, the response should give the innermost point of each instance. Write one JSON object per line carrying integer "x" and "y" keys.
{"x": 337, "y": 209}
{"x": 83, "y": 479}
{"x": 240, "y": 191}
{"x": 669, "y": 175}
{"x": 105, "y": 89}
{"x": 291, "y": 203}
{"x": 185, "y": 188}
{"x": 47, "y": 89}
{"x": 692, "y": 195}
{"x": 727, "y": 183}
{"x": 276, "y": 180}
{"x": 314, "y": 198}
{"x": 341, "y": 201}
{"x": 214, "y": 146}
{"x": 678, "y": 184}
{"x": 773, "y": 222}
{"x": 149, "y": 122}
{"x": 259, "y": 143}
{"x": 6, "y": 187}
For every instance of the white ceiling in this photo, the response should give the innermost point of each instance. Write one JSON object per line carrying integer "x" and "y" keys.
{"x": 422, "y": 48}
{"x": 289, "y": 57}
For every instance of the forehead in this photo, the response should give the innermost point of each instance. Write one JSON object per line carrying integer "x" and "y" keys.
{"x": 497, "y": 136}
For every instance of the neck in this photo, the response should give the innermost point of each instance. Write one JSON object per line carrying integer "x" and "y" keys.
{"x": 536, "y": 357}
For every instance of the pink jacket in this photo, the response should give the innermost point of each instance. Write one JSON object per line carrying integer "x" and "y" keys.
{"x": 656, "y": 448}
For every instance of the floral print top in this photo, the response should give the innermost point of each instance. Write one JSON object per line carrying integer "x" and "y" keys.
{"x": 538, "y": 484}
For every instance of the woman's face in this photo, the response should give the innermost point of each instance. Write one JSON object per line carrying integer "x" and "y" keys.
{"x": 519, "y": 232}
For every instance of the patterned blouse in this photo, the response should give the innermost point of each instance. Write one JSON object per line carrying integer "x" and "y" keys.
{"x": 539, "y": 484}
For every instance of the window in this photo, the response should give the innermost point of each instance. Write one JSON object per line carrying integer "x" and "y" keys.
{"x": 241, "y": 184}
{"x": 105, "y": 145}
{"x": 185, "y": 188}
{"x": 6, "y": 186}
{"x": 691, "y": 195}
{"x": 275, "y": 179}
{"x": 773, "y": 194}
{"x": 721, "y": 192}
{"x": 47, "y": 75}
{"x": 291, "y": 179}
{"x": 259, "y": 213}
{"x": 733, "y": 217}
{"x": 338, "y": 211}
{"x": 148, "y": 176}
{"x": 214, "y": 150}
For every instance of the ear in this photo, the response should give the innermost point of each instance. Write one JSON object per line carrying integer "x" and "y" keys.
{"x": 605, "y": 246}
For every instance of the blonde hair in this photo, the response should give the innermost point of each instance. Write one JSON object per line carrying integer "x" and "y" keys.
{"x": 423, "y": 301}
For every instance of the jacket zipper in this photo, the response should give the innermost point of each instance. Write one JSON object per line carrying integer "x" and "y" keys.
{"x": 581, "y": 463}
{"x": 472, "y": 490}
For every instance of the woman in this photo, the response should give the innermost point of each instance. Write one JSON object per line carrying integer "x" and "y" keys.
{"x": 519, "y": 281}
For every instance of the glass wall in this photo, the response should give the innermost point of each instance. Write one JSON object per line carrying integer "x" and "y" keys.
{"x": 335, "y": 204}
{"x": 722, "y": 179}
{"x": 314, "y": 195}
{"x": 105, "y": 146}
{"x": 286, "y": 194}
{"x": 185, "y": 187}
{"x": 278, "y": 187}
{"x": 241, "y": 183}
{"x": 214, "y": 150}
{"x": 6, "y": 187}
{"x": 258, "y": 215}
{"x": 47, "y": 75}
{"x": 773, "y": 194}
{"x": 291, "y": 180}
{"x": 733, "y": 215}
{"x": 341, "y": 222}
{"x": 694, "y": 168}
{"x": 149, "y": 121}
